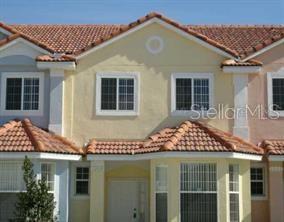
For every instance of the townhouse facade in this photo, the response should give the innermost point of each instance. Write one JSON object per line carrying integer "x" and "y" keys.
{"x": 138, "y": 122}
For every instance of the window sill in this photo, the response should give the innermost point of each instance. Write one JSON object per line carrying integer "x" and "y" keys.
{"x": 116, "y": 113}
{"x": 21, "y": 113}
{"x": 274, "y": 114}
{"x": 81, "y": 197}
{"x": 191, "y": 113}
{"x": 258, "y": 198}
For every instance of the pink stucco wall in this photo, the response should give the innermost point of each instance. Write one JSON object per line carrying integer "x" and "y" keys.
{"x": 261, "y": 129}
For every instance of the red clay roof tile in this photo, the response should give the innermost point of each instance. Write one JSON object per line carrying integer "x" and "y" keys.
{"x": 274, "y": 147}
{"x": 23, "y": 136}
{"x": 239, "y": 41}
{"x": 188, "y": 136}
{"x": 232, "y": 62}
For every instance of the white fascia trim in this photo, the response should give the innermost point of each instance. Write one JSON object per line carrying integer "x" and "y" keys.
{"x": 24, "y": 41}
{"x": 190, "y": 155}
{"x": 264, "y": 49}
{"x": 39, "y": 155}
{"x": 57, "y": 65}
{"x": 4, "y": 31}
{"x": 276, "y": 158}
{"x": 164, "y": 24}
{"x": 243, "y": 69}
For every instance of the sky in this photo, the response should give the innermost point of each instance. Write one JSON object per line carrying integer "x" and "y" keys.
{"x": 126, "y": 11}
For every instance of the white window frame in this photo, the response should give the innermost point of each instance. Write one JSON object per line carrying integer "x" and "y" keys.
{"x": 270, "y": 77}
{"x": 265, "y": 188}
{"x": 174, "y": 76}
{"x": 166, "y": 191}
{"x": 217, "y": 184}
{"x": 75, "y": 177}
{"x": 235, "y": 192}
{"x": 53, "y": 165}
{"x": 22, "y": 75}
{"x": 117, "y": 75}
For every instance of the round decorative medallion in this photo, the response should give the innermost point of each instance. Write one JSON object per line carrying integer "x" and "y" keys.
{"x": 154, "y": 44}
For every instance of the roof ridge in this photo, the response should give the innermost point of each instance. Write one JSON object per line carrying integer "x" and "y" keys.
{"x": 211, "y": 132}
{"x": 180, "y": 131}
{"x": 32, "y": 135}
{"x": 68, "y": 143}
{"x": 154, "y": 137}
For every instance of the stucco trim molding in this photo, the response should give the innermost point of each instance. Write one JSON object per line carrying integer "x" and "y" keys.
{"x": 57, "y": 65}
{"x": 264, "y": 49}
{"x": 245, "y": 70}
{"x": 187, "y": 155}
{"x": 276, "y": 169}
{"x": 276, "y": 158}
{"x": 39, "y": 155}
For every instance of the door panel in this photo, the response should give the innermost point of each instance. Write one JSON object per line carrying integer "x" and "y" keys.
{"x": 124, "y": 201}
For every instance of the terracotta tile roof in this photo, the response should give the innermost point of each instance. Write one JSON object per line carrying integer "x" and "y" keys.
{"x": 188, "y": 136}
{"x": 23, "y": 136}
{"x": 274, "y": 147}
{"x": 246, "y": 39}
{"x": 232, "y": 62}
{"x": 239, "y": 41}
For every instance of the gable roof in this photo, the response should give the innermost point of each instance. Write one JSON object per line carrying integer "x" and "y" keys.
{"x": 188, "y": 136}
{"x": 23, "y": 136}
{"x": 274, "y": 147}
{"x": 238, "y": 41}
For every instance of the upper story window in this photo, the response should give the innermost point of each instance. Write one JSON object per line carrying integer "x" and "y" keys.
{"x": 275, "y": 90}
{"x": 191, "y": 92}
{"x": 257, "y": 181}
{"x": 117, "y": 93}
{"x": 21, "y": 93}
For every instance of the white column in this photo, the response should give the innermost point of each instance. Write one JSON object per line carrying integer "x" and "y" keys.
{"x": 56, "y": 101}
{"x": 241, "y": 127}
{"x": 97, "y": 191}
{"x": 276, "y": 191}
{"x": 62, "y": 170}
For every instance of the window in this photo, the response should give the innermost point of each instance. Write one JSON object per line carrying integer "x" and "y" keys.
{"x": 275, "y": 91}
{"x": 47, "y": 174}
{"x": 257, "y": 181}
{"x": 161, "y": 190}
{"x": 22, "y": 93}
{"x": 82, "y": 180}
{"x": 191, "y": 92}
{"x": 11, "y": 176}
{"x": 234, "y": 192}
{"x": 117, "y": 94}
{"x": 198, "y": 192}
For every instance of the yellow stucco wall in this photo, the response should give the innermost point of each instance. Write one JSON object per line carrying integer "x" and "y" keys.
{"x": 129, "y": 54}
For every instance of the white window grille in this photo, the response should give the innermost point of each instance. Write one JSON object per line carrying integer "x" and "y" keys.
{"x": 82, "y": 180}
{"x": 198, "y": 192}
{"x": 234, "y": 192}
{"x": 161, "y": 189}
{"x": 191, "y": 92}
{"x": 47, "y": 174}
{"x": 117, "y": 94}
{"x": 11, "y": 176}
{"x": 22, "y": 93}
{"x": 257, "y": 181}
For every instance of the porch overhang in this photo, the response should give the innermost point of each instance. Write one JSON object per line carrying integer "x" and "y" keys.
{"x": 178, "y": 154}
{"x": 39, "y": 155}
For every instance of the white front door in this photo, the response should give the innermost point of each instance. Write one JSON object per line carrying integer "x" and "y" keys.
{"x": 125, "y": 201}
